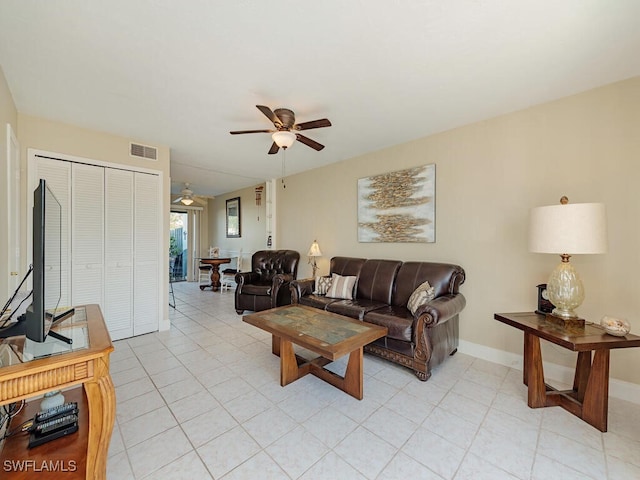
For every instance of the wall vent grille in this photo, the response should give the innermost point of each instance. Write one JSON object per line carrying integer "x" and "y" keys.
{"x": 143, "y": 151}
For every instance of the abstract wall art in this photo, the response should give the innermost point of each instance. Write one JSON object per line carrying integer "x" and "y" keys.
{"x": 398, "y": 207}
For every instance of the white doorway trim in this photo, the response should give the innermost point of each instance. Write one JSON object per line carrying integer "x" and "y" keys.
{"x": 13, "y": 268}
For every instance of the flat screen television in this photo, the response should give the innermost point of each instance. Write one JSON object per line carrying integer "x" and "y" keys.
{"x": 46, "y": 270}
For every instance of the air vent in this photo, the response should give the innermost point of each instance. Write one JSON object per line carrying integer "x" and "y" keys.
{"x": 143, "y": 151}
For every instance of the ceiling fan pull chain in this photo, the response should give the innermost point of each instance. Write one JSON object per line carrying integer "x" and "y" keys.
{"x": 284, "y": 158}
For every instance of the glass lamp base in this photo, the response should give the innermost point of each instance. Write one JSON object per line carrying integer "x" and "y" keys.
{"x": 52, "y": 399}
{"x": 565, "y": 289}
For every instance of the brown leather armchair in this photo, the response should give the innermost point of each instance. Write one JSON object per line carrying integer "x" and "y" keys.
{"x": 267, "y": 284}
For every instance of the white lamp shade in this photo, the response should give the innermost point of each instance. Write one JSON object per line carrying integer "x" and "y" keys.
{"x": 284, "y": 139}
{"x": 314, "y": 251}
{"x": 574, "y": 228}
{"x": 186, "y": 201}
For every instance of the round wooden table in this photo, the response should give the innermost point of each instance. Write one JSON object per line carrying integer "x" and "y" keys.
{"x": 215, "y": 271}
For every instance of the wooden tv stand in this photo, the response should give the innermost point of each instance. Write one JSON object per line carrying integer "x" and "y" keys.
{"x": 79, "y": 455}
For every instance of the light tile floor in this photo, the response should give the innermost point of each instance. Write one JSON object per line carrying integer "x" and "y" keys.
{"x": 203, "y": 401}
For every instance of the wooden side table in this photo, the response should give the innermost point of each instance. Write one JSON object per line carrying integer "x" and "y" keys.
{"x": 589, "y": 397}
{"x": 86, "y": 365}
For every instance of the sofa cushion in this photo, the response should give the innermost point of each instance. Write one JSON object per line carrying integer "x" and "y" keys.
{"x": 420, "y": 296}
{"x": 346, "y": 266}
{"x": 322, "y": 285}
{"x": 341, "y": 287}
{"x": 316, "y": 301}
{"x": 354, "y": 308}
{"x": 376, "y": 280}
{"x": 444, "y": 278}
{"x": 397, "y": 319}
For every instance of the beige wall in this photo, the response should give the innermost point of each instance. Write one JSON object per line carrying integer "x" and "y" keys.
{"x": 253, "y": 224}
{"x": 488, "y": 176}
{"x": 42, "y": 134}
{"x": 8, "y": 115}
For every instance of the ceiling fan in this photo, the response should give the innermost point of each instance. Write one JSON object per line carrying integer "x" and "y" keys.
{"x": 284, "y": 120}
{"x": 187, "y": 197}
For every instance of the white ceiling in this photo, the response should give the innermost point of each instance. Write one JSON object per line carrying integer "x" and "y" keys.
{"x": 185, "y": 73}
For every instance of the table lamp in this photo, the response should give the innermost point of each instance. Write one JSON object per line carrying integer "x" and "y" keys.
{"x": 314, "y": 252}
{"x": 567, "y": 229}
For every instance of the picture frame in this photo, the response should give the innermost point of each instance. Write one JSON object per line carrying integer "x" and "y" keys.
{"x": 233, "y": 218}
{"x": 398, "y": 207}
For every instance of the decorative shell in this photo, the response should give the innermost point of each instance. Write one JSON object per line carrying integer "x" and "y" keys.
{"x": 615, "y": 326}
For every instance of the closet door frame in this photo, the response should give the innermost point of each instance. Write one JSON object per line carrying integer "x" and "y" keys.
{"x": 163, "y": 256}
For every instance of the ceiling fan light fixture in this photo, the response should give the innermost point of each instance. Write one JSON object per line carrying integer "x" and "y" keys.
{"x": 284, "y": 138}
{"x": 187, "y": 201}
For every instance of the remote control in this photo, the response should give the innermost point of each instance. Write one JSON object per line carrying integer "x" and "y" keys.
{"x": 55, "y": 424}
{"x": 55, "y": 411}
{"x": 35, "y": 440}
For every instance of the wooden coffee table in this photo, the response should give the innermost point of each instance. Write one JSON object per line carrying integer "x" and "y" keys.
{"x": 328, "y": 334}
{"x": 589, "y": 397}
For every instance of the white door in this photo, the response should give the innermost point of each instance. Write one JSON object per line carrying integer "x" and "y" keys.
{"x": 112, "y": 218}
{"x": 118, "y": 282}
{"x": 58, "y": 177}
{"x": 147, "y": 241}
{"x": 87, "y": 234}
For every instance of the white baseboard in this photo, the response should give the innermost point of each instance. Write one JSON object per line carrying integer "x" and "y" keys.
{"x": 617, "y": 388}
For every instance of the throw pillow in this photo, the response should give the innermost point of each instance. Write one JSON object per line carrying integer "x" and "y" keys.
{"x": 322, "y": 285}
{"x": 420, "y": 296}
{"x": 341, "y": 287}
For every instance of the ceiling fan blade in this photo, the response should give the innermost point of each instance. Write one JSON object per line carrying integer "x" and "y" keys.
{"x": 270, "y": 115}
{"x": 309, "y": 143}
{"x": 237, "y": 132}
{"x": 177, "y": 200}
{"x": 274, "y": 148}
{"x": 323, "y": 122}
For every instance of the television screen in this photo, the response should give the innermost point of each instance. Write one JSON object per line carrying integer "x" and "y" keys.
{"x": 46, "y": 270}
{"x": 52, "y": 252}
{"x": 47, "y": 244}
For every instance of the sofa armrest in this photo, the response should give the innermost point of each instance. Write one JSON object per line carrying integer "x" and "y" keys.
{"x": 301, "y": 288}
{"x": 439, "y": 310}
{"x": 280, "y": 280}
{"x": 244, "y": 278}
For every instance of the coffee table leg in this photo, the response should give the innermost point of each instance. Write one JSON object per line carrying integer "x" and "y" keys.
{"x": 353, "y": 384}
{"x": 275, "y": 345}
{"x": 288, "y": 364}
{"x": 596, "y": 396}
{"x": 537, "y": 393}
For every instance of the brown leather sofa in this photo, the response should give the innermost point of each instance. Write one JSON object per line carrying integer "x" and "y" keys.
{"x": 381, "y": 293}
{"x": 267, "y": 284}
